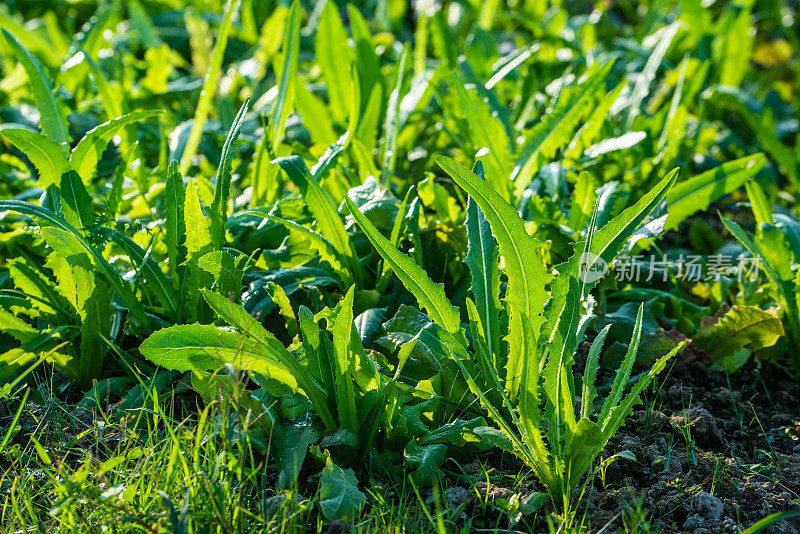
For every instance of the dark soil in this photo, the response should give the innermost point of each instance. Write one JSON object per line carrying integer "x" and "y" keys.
{"x": 710, "y": 456}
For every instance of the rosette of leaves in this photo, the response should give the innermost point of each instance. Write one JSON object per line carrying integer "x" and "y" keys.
{"x": 526, "y": 386}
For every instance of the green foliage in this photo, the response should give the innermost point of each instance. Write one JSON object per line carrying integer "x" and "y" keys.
{"x": 272, "y": 205}
{"x": 430, "y": 296}
{"x": 46, "y": 154}
{"x": 222, "y": 183}
{"x": 425, "y": 461}
{"x": 175, "y": 222}
{"x": 483, "y": 261}
{"x": 286, "y": 88}
{"x": 555, "y": 130}
{"x": 328, "y": 221}
{"x": 541, "y": 431}
{"x": 697, "y": 193}
{"x": 209, "y": 87}
{"x": 339, "y": 494}
{"x": 779, "y": 263}
{"x": 88, "y": 151}
{"x": 732, "y": 337}
{"x": 52, "y": 122}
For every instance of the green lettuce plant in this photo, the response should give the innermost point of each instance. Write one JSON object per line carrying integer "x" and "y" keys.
{"x": 776, "y": 246}
{"x": 528, "y": 389}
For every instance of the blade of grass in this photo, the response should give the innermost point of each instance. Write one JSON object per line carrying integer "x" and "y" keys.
{"x": 209, "y": 89}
